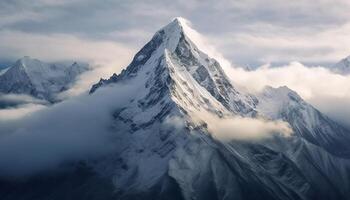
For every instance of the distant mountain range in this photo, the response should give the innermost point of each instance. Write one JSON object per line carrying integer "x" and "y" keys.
{"x": 178, "y": 81}
{"x": 38, "y": 79}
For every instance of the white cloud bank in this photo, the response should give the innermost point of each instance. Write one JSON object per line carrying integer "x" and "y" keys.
{"x": 244, "y": 128}
{"x": 20, "y": 111}
{"x": 20, "y": 98}
{"x": 231, "y": 127}
{"x": 15, "y": 106}
{"x": 79, "y": 128}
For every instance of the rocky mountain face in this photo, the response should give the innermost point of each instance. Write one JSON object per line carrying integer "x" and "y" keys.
{"x": 165, "y": 149}
{"x": 40, "y": 80}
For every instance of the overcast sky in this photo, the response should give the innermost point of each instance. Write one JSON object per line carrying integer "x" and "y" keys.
{"x": 249, "y": 32}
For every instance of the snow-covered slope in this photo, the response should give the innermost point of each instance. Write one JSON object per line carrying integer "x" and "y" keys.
{"x": 165, "y": 150}
{"x": 41, "y": 80}
{"x": 342, "y": 67}
{"x": 306, "y": 121}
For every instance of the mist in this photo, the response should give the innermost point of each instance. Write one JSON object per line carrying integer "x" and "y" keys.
{"x": 232, "y": 127}
{"x": 76, "y": 129}
{"x": 244, "y": 128}
{"x": 14, "y": 106}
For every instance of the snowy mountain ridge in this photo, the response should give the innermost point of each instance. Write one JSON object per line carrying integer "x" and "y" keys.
{"x": 306, "y": 121}
{"x": 185, "y": 62}
{"x": 41, "y": 80}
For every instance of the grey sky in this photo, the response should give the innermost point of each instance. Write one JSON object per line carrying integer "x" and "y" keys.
{"x": 249, "y": 32}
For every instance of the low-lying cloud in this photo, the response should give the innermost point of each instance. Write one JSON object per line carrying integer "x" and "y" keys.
{"x": 242, "y": 128}
{"x": 19, "y": 111}
{"x": 15, "y": 106}
{"x": 79, "y": 128}
{"x": 20, "y": 99}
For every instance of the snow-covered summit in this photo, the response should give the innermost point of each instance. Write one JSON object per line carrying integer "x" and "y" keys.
{"x": 172, "y": 33}
{"x": 171, "y": 53}
{"x": 41, "y": 80}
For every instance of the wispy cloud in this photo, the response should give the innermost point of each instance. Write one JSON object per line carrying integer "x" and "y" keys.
{"x": 15, "y": 106}
{"x": 20, "y": 99}
{"x": 241, "y": 128}
{"x": 20, "y": 111}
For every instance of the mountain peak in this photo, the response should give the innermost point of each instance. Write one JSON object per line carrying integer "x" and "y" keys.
{"x": 186, "y": 71}
{"x": 342, "y": 67}
{"x": 25, "y": 59}
{"x": 178, "y": 22}
{"x": 26, "y": 64}
{"x": 282, "y": 94}
{"x": 171, "y": 34}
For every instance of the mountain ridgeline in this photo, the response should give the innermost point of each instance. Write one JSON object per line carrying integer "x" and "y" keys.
{"x": 41, "y": 80}
{"x": 166, "y": 150}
